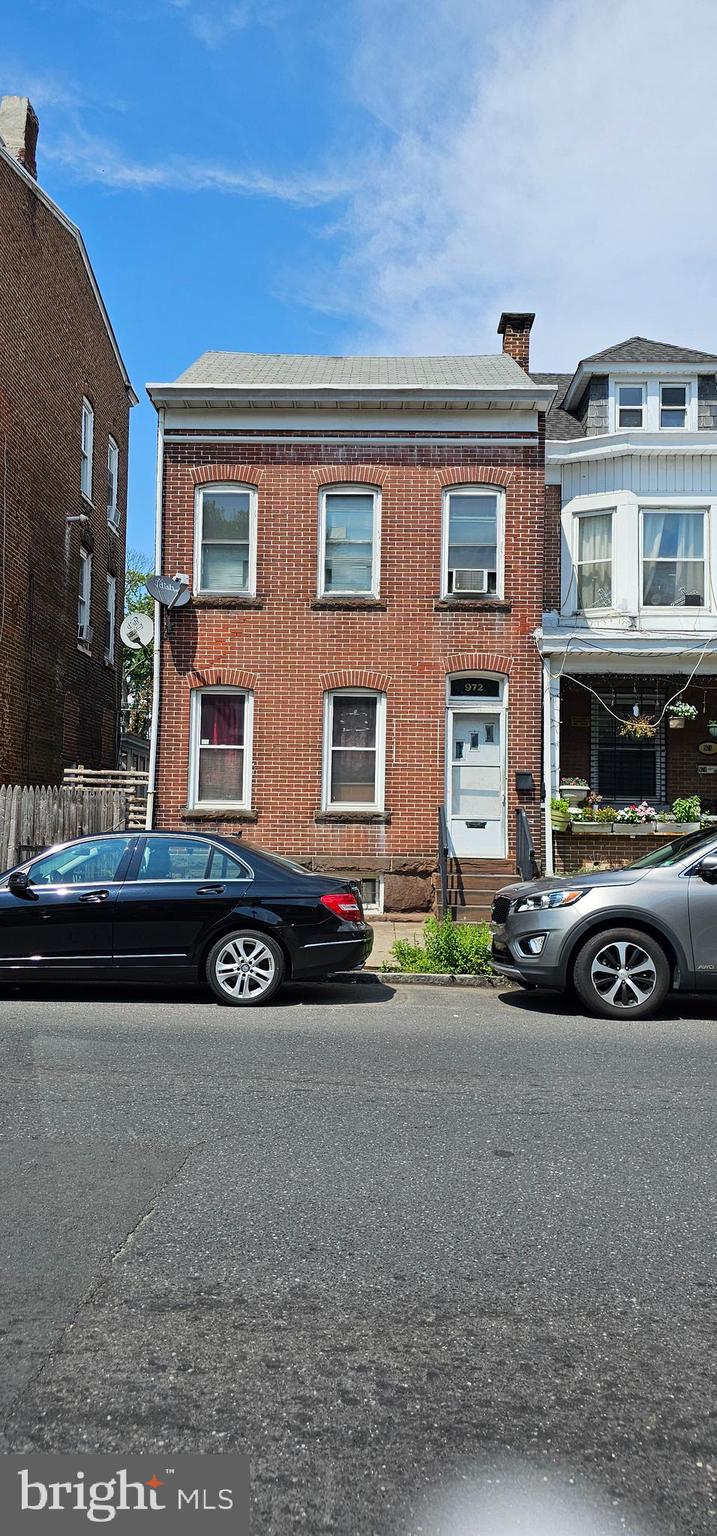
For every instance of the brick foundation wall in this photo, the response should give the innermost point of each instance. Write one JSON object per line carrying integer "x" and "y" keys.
{"x": 288, "y": 650}
{"x": 575, "y": 851}
{"x": 57, "y": 705}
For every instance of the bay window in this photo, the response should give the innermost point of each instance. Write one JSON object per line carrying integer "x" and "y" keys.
{"x": 354, "y": 733}
{"x": 472, "y": 538}
{"x": 673, "y": 559}
{"x": 594, "y": 561}
{"x": 348, "y": 542}
{"x": 225, "y": 539}
{"x": 220, "y": 747}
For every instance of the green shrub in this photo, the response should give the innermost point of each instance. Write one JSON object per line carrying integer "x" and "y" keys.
{"x": 461, "y": 949}
{"x": 559, "y": 806}
{"x": 688, "y": 809}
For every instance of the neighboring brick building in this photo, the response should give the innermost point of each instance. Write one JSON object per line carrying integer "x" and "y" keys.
{"x": 364, "y": 542}
{"x": 64, "y": 409}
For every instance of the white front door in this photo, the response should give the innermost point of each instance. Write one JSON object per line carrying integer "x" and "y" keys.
{"x": 476, "y": 784}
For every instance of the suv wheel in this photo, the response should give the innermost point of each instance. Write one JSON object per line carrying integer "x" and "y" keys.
{"x": 245, "y": 968}
{"x": 622, "y": 973}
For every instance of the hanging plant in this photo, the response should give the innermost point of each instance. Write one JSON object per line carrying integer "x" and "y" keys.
{"x": 682, "y": 711}
{"x": 639, "y": 727}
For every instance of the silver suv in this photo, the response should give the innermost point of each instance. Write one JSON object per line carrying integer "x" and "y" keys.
{"x": 623, "y": 938}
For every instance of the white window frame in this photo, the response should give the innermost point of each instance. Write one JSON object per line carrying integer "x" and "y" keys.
{"x": 84, "y": 600}
{"x": 371, "y": 908}
{"x": 113, "y": 517}
{"x": 195, "y": 718}
{"x": 378, "y": 802}
{"x": 87, "y": 443}
{"x": 631, "y": 384}
{"x": 576, "y": 562}
{"x": 474, "y": 490}
{"x": 673, "y": 384}
{"x": 225, "y": 486}
{"x": 111, "y": 613}
{"x": 343, "y": 489}
{"x": 663, "y": 608}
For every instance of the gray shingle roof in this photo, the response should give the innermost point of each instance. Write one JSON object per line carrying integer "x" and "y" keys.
{"x": 246, "y": 370}
{"x": 637, "y": 349}
{"x": 559, "y": 424}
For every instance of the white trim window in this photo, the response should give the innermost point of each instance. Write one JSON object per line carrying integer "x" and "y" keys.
{"x": 86, "y": 449}
{"x": 630, "y": 405}
{"x": 371, "y": 893}
{"x": 472, "y": 544}
{"x": 674, "y": 400}
{"x": 673, "y": 558}
{"x": 225, "y": 539}
{"x": 112, "y": 483}
{"x": 84, "y": 600}
{"x": 593, "y": 563}
{"x": 349, "y": 528}
{"x": 110, "y": 618}
{"x": 220, "y": 753}
{"x": 354, "y": 750}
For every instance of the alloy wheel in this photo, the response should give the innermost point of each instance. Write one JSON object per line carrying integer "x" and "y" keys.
{"x": 623, "y": 974}
{"x": 245, "y": 967}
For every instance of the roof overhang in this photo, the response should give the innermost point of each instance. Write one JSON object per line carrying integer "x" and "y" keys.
{"x": 221, "y": 397}
{"x": 586, "y": 371}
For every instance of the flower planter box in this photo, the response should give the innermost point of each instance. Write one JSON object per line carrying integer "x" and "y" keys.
{"x": 677, "y": 828}
{"x": 574, "y": 793}
{"x": 559, "y": 823}
{"x": 589, "y": 828}
{"x": 634, "y": 828}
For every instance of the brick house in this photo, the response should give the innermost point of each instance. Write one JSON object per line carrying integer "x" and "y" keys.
{"x": 630, "y": 619}
{"x": 64, "y": 418}
{"x": 363, "y": 538}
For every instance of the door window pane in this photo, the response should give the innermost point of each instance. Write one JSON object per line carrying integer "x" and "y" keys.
{"x": 472, "y": 542}
{"x": 673, "y": 573}
{"x": 221, "y": 748}
{"x": 349, "y": 537}
{"x": 226, "y": 533}
{"x": 174, "y": 858}
{"x": 595, "y": 561}
{"x": 82, "y": 863}
{"x": 353, "y": 750}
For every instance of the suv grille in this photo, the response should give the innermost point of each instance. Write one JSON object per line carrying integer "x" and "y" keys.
{"x": 500, "y": 909}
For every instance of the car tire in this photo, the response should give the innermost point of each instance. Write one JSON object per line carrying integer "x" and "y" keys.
{"x": 622, "y": 973}
{"x": 245, "y": 968}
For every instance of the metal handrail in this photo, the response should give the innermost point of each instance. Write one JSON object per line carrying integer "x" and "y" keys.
{"x": 525, "y": 855}
{"x": 443, "y": 858}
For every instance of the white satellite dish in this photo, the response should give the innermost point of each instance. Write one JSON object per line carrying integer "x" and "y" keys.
{"x": 136, "y": 630}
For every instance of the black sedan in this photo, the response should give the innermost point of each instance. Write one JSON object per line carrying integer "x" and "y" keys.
{"x": 170, "y": 906}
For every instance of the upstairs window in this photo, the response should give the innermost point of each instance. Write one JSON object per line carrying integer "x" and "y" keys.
{"x": 84, "y": 598}
{"x": 110, "y": 618}
{"x": 112, "y": 483}
{"x": 631, "y": 405}
{"x": 220, "y": 750}
{"x": 88, "y": 434}
{"x": 225, "y": 539}
{"x": 348, "y": 542}
{"x": 472, "y": 536}
{"x": 673, "y": 559}
{"x": 594, "y": 561}
{"x": 673, "y": 405}
{"x": 354, "y": 731}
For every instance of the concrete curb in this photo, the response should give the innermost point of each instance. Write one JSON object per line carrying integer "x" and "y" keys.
{"x": 419, "y": 979}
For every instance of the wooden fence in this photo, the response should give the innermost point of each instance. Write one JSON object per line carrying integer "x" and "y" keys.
{"x": 133, "y": 784}
{"x": 34, "y": 817}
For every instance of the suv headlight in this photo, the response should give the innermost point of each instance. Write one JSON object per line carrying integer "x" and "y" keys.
{"x": 544, "y": 899}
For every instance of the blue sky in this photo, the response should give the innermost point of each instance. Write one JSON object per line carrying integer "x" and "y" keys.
{"x": 278, "y": 175}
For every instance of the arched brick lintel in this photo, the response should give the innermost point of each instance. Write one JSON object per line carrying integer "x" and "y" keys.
{"x": 479, "y": 661}
{"x": 350, "y": 474}
{"x": 476, "y": 474}
{"x": 221, "y": 677}
{"x": 354, "y": 677}
{"x": 215, "y": 474}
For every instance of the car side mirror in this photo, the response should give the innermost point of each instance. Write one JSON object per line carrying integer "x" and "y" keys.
{"x": 19, "y": 883}
{"x": 707, "y": 870}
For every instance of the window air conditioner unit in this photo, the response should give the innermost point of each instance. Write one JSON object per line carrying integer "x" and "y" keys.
{"x": 473, "y": 580}
{"x": 84, "y": 633}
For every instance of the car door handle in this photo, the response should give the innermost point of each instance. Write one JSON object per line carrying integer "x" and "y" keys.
{"x": 95, "y": 896}
{"x": 209, "y": 890}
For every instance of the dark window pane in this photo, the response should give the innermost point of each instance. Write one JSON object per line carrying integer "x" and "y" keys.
{"x": 354, "y": 722}
{"x": 673, "y": 394}
{"x": 631, "y": 394}
{"x": 353, "y": 775}
{"x": 630, "y": 418}
{"x": 82, "y": 864}
{"x": 222, "y": 721}
{"x": 225, "y": 567}
{"x": 221, "y": 774}
{"x": 226, "y": 516}
{"x": 225, "y": 867}
{"x": 174, "y": 858}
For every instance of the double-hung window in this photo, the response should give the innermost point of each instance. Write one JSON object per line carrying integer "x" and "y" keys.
{"x": 86, "y": 448}
{"x": 84, "y": 599}
{"x": 673, "y": 559}
{"x": 225, "y": 539}
{"x": 354, "y": 750}
{"x": 220, "y": 747}
{"x": 472, "y": 541}
{"x": 631, "y": 405}
{"x": 110, "y": 619}
{"x": 673, "y": 405}
{"x": 348, "y": 541}
{"x": 112, "y": 483}
{"x": 594, "y": 560}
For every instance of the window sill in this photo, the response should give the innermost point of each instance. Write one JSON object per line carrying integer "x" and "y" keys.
{"x": 226, "y": 600}
{"x": 86, "y": 650}
{"x": 87, "y": 500}
{"x": 472, "y": 604}
{"x": 349, "y": 604}
{"x": 217, "y": 813}
{"x": 109, "y": 663}
{"x": 114, "y": 526}
{"x": 345, "y": 818}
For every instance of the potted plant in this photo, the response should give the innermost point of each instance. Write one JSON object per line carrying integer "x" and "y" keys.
{"x": 559, "y": 814}
{"x": 639, "y": 727}
{"x": 593, "y": 818}
{"x": 574, "y": 791}
{"x": 679, "y": 712}
{"x": 684, "y": 817}
{"x": 636, "y": 820}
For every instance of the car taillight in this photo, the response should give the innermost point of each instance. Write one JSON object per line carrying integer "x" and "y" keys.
{"x": 344, "y": 905}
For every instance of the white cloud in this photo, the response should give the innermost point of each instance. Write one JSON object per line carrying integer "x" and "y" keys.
{"x": 553, "y": 156}
{"x": 212, "y": 21}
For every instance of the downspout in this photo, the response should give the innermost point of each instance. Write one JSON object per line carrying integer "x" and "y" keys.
{"x": 548, "y": 764}
{"x": 156, "y": 669}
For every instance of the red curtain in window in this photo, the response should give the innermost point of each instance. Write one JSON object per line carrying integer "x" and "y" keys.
{"x": 222, "y": 720}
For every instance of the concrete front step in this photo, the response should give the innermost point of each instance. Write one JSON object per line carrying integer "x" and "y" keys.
{"x": 476, "y": 914}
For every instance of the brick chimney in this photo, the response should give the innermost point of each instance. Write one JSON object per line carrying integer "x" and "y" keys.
{"x": 19, "y": 128}
{"x": 515, "y": 330}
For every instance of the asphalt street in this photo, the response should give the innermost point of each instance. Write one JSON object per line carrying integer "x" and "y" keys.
{"x": 441, "y": 1261}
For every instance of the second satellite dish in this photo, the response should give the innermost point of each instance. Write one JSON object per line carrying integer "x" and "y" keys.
{"x": 170, "y": 591}
{"x": 136, "y": 630}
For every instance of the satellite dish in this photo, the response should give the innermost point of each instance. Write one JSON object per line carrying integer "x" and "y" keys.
{"x": 136, "y": 630}
{"x": 170, "y": 591}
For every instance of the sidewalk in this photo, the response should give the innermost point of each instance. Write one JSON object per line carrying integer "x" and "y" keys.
{"x": 385, "y": 932}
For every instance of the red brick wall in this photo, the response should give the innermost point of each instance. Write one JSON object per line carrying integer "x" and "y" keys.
{"x": 289, "y": 651}
{"x": 551, "y": 596}
{"x": 574, "y": 851}
{"x": 54, "y": 348}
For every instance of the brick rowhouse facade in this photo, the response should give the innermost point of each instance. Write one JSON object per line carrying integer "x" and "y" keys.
{"x": 59, "y": 704}
{"x": 289, "y": 647}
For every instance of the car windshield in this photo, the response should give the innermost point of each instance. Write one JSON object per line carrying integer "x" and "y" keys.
{"x": 673, "y": 853}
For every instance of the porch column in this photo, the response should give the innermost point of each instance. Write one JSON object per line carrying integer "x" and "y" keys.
{"x": 551, "y": 751}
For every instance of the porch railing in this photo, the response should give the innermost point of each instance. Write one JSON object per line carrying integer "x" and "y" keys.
{"x": 443, "y": 858}
{"x": 525, "y": 856}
